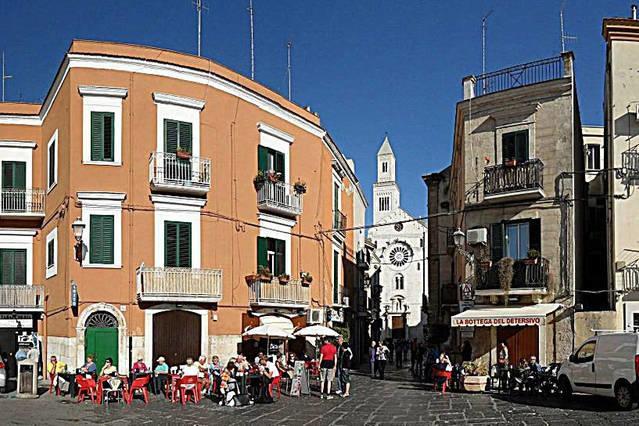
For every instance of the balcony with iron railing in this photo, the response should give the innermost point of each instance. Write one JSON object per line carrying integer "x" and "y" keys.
{"x": 22, "y": 202}
{"x": 630, "y": 165}
{"x": 339, "y": 222}
{"x": 530, "y": 276}
{"x": 631, "y": 278}
{"x": 168, "y": 284}
{"x": 171, "y": 173}
{"x": 514, "y": 181}
{"x": 279, "y": 198}
{"x": 22, "y": 297}
{"x": 293, "y": 294}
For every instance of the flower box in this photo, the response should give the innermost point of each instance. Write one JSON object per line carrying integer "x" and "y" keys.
{"x": 183, "y": 155}
{"x": 474, "y": 383}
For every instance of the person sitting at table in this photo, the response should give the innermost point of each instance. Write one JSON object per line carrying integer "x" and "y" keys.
{"x": 139, "y": 367}
{"x": 203, "y": 375}
{"x": 259, "y": 356}
{"x": 534, "y": 365}
{"x": 268, "y": 371}
{"x": 190, "y": 369}
{"x": 282, "y": 366}
{"x": 110, "y": 371}
{"x": 89, "y": 367}
{"x": 160, "y": 375}
{"x": 228, "y": 385}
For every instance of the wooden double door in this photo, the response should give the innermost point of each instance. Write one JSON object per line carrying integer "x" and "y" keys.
{"x": 176, "y": 336}
{"x": 522, "y": 342}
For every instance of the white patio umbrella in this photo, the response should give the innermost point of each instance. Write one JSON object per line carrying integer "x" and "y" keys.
{"x": 316, "y": 331}
{"x": 268, "y": 331}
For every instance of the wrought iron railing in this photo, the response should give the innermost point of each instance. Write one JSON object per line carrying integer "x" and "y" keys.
{"x": 519, "y": 75}
{"x": 631, "y": 278}
{"x": 274, "y": 293}
{"x": 22, "y": 201}
{"x": 527, "y": 273}
{"x": 280, "y": 196}
{"x": 168, "y": 283}
{"x": 630, "y": 162}
{"x": 501, "y": 178}
{"x": 168, "y": 169}
{"x": 21, "y": 296}
{"x": 339, "y": 221}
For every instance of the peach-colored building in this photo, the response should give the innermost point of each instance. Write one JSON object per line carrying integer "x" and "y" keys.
{"x": 189, "y": 179}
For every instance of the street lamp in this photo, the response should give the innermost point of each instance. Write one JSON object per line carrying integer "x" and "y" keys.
{"x": 78, "y": 229}
{"x": 459, "y": 238}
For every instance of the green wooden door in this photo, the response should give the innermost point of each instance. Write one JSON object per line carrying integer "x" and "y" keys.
{"x": 101, "y": 343}
{"x": 14, "y": 182}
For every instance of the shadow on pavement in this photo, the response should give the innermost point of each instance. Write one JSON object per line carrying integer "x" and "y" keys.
{"x": 577, "y": 402}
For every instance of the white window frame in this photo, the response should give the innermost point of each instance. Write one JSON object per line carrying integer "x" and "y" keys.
{"x": 102, "y": 99}
{"x": 180, "y": 108}
{"x": 51, "y": 271}
{"x": 340, "y": 278}
{"x": 53, "y": 141}
{"x": 278, "y": 228}
{"x": 280, "y": 141}
{"x": 102, "y": 203}
{"x": 19, "y": 239}
{"x": 177, "y": 209}
{"x": 18, "y": 151}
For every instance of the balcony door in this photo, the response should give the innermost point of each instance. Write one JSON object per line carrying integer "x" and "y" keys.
{"x": 178, "y": 147}
{"x": 515, "y": 146}
{"x": 271, "y": 253}
{"x": 515, "y": 239}
{"x": 13, "y": 266}
{"x": 14, "y": 184}
{"x": 177, "y": 244}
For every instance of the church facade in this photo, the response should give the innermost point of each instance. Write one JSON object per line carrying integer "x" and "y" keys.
{"x": 400, "y": 248}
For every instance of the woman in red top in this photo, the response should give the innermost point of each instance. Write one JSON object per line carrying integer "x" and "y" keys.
{"x": 328, "y": 360}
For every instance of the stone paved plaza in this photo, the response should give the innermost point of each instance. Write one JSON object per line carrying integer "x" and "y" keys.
{"x": 394, "y": 401}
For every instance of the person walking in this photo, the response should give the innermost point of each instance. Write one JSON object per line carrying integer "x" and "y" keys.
{"x": 328, "y": 361}
{"x": 502, "y": 365}
{"x": 372, "y": 357}
{"x": 338, "y": 373}
{"x": 382, "y": 356}
{"x": 344, "y": 360}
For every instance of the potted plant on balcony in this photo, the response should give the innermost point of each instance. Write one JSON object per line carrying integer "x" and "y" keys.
{"x": 505, "y": 273}
{"x": 273, "y": 176}
{"x": 299, "y": 187}
{"x": 264, "y": 273}
{"x": 475, "y": 376}
{"x": 259, "y": 179}
{"x": 511, "y": 162}
{"x": 484, "y": 260}
{"x": 533, "y": 257}
{"x": 306, "y": 277}
{"x": 251, "y": 278}
{"x": 284, "y": 278}
{"x": 182, "y": 154}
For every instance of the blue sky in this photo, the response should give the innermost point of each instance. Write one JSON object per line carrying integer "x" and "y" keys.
{"x": 367, "y": 67}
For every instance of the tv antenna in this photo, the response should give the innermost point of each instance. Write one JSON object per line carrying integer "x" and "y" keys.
{"x": 289, "y": 46}
{"x": 250, "y": 10}
{"x": 484, "y": 28}
{"x": 4, "y": 76}
{"x": 199, "y": 6}
{"x": 564, "y": 37}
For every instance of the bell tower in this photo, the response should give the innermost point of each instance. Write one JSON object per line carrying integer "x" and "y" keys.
{"x": 385, "y": 190}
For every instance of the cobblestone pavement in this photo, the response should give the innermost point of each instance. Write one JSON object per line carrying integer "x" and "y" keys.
{"x": 394, "y": 401}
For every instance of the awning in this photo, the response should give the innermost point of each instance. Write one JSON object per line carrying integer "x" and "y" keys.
{"x": 505, "y": 316}
{"x": 284, "y": 324}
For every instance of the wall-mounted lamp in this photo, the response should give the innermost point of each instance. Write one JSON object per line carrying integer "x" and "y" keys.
{"x": 78, "y": 229}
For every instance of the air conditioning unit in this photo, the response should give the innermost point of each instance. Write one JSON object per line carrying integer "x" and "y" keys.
{"x": 315, "y": 316}
{"x": 346, "y": 301}
{"x": 477, "y": 236}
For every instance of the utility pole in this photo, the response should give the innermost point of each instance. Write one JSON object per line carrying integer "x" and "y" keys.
{"x": 289, "y": 46}
{"x": 250, "y": 10}
{"x": 564, "y": 37}
{"x": 199, "y": 6}
{"x": 4, "y": 76}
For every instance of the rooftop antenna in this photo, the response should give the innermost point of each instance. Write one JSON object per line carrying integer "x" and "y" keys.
{"x": 289, "y": 46}
{"x": 4, "y": 76}
{"x": 199, "y": 5}
{"x": 484, "y": 27}
{"x": 564, "y": 37}
{"x": 250, "y": 10}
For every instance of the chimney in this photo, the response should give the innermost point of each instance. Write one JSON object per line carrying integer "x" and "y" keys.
{"x": 634, "y": 11}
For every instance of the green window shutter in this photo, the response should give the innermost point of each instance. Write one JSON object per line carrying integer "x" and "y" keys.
{"x": 170, "y": 244}
{"x": 52, "y": 163}
{"x": 496, "y": 241}
{"x": 108, "y": 133}
{"x": 14, "y": 175}
{"x": 262, "y": 259}
{"x": 186, "y": 136}
{"x": 279, "y": 165}
{"x": 280, "y": 257}
{"x": 262, "y": 158}
{"x": 335, "y": 277}
{"x": 13, "y": 266}
{"x": 97, "y": 136}
{"x": 7, "y": 174}
{"x": 50, "y": 253}
{"x": 101, "y": 244}
{"x": 184, "y": 243}
{"x": 170, "y": 136}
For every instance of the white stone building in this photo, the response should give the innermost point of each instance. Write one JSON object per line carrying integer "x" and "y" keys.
{"x": 401, "y": 254}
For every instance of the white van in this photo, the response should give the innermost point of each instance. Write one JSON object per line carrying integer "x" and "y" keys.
{"x": 606, "y": 365}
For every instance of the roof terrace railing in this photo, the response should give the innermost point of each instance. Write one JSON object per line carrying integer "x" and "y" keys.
{"x": 520, "y": 75}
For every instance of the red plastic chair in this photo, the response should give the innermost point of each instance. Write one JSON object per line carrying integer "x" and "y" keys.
{"x": 141, "y": 384}
{"x": 86, "y": 387}
{"x": 276, "y": 382}
{"x": 189, "y": 385}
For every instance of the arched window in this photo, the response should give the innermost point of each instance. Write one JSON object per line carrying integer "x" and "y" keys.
{"x": 101, "y": 319}
{"x": 399, "y": 282}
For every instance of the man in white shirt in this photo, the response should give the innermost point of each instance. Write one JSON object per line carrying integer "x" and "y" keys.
{"x": 190, "y": 369}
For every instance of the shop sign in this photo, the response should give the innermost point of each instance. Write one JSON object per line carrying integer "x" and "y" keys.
{"x": 496, "y": 322}
{"x": 16, "y": 321}
{"x": 466, "y": 292}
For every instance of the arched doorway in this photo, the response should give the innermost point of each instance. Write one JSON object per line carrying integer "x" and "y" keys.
{"x": 176, "y": 336}
{"x": 101, "y": 338}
